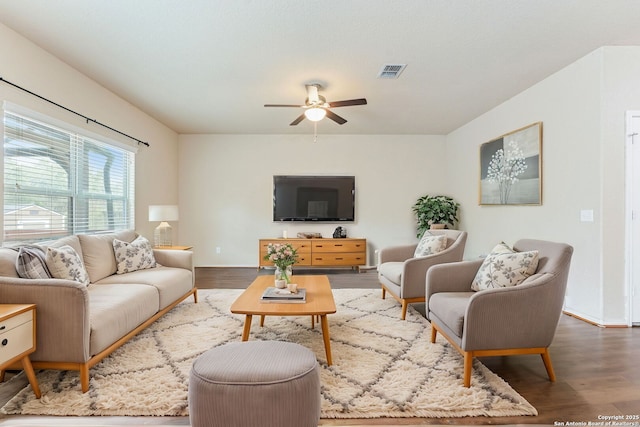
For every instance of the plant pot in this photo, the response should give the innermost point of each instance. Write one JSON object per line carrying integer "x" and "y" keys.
{"x": 438, "y": 226}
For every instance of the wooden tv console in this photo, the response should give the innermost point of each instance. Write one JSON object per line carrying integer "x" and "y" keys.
{"x": 321, "y": 252}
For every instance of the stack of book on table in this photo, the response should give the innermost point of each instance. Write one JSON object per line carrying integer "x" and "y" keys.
{"x": 284, "y": 296}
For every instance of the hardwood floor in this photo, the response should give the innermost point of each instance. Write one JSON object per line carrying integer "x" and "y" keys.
{"x": 597, "y": 369}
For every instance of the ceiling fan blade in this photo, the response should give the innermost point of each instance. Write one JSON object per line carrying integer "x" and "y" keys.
{"x": 283, "y": 105}
{"x": 348, "y": 102}
{"x": 336, "y": 118}
{"x": 297, "y": 120}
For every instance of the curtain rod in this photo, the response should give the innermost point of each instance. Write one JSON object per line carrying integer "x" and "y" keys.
{"x": 74, "y": 112}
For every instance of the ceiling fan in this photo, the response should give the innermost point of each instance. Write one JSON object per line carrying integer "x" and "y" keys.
{"x": 316, "y": 106}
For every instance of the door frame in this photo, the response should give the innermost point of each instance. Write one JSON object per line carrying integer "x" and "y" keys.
{"x": 631, "y": 136}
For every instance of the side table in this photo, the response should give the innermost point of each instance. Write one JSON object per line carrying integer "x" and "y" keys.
{"x": 18, "y": 339}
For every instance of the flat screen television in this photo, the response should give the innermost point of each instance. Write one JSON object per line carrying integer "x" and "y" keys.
{"x": 314, "y": 198}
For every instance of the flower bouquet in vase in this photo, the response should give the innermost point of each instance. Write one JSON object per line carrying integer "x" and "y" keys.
{"x": 283, "y": 256}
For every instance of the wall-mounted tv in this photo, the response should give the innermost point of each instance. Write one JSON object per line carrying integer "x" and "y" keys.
{"x": 314, "y": 198}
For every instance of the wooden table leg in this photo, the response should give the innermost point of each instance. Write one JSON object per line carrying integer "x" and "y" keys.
{"x": 28, "y": 370}
{"x": 247, "y": 327}
{"x": 262, "y": 320}
{"x": 325, "y": 336}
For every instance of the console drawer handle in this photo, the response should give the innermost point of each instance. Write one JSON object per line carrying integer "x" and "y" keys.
{"x": 5, "y": 341}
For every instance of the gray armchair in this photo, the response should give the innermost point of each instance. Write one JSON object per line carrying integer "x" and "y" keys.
{"x": 403, "y": 276}
{"x": 503, "y": 321}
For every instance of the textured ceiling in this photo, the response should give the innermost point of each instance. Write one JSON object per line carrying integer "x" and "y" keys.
{"x": 203, "y": 66}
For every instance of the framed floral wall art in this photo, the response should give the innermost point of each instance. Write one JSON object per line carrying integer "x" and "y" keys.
{"x": 511, "y": 168}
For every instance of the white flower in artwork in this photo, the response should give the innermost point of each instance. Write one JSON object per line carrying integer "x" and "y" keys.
{"x": 504, "y": 168}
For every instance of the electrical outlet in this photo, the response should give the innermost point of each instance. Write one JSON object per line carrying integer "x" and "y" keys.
{"x": 218, "y": 250}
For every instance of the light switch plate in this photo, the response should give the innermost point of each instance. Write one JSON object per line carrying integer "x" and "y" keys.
{"x": 586, "y": 215}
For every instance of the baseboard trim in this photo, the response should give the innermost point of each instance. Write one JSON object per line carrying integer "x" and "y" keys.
{"x": 591, "y": 322}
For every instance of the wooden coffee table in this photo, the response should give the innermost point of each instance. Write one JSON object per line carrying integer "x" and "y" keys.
{"x": 319, "y": 303}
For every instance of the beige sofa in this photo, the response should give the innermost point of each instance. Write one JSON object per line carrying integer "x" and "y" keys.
{"x": 78, "y": 325}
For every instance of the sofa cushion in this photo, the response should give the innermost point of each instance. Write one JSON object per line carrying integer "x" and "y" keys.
{"x": 134, "y": 256}
{"x": 171, "y": 283}
{"x": 97, "y": 252}
{"x": 65, "y": 263}
{"x": 31, "y": 263}
{"x": 504, "y": 267}
{"x": 430, "y": 244}
{"x": 117, "y": 309}
{"x": 392, "y": 271}
{"x": 450, "y": 307}
{"x": 72, "y": 241}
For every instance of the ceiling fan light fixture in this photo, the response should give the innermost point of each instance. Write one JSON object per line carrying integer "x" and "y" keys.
{"x": 315, "y": 114}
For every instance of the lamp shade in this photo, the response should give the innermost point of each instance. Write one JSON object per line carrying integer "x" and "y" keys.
{"x": 315, "y": 114}
{"x": 163, "y": 213}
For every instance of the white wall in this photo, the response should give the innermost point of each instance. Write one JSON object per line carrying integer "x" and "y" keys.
{"x": 582, "y": 108}
{"x": 29, "y": 66}
{"x": 226, "y": 187}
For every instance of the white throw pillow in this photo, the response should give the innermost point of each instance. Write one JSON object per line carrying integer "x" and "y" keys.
{"x": 504, "y": 267}
{"x": 137, "y": 255}
{"x": 65, "y": 263}
{"x": 430, "y": 244}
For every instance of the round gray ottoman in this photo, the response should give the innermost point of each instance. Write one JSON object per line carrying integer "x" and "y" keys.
{"x": 255, "y": 383}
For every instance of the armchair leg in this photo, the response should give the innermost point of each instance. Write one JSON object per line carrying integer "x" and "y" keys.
{"x": 468, "y": 355}
{"x": 434, "y": 333}
{"x": 546, "y": 358}
{"x": 404, "y": 301}
{"x": 84, "y": 377}
{"x": 468, "y": 365}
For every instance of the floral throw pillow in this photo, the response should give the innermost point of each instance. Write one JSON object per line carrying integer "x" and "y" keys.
{"x": 65, "y": 263}
{"x": 430, "y": 244}
{"x": 134, "y": 256}
{"x": 504, "y": 267}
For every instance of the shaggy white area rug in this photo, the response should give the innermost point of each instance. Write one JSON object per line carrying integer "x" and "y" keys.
{"x": 382, "y": 366}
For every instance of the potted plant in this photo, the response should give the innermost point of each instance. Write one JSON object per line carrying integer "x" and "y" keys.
{"x": 432, "y": 210}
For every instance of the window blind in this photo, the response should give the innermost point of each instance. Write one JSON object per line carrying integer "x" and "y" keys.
{"x": 59, "y": 182}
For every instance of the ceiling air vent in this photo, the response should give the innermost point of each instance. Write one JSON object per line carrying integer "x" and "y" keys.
{"x": 391, "y": 71}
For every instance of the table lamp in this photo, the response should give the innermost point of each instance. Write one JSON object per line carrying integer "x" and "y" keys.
{"x": 162, "y": 235}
